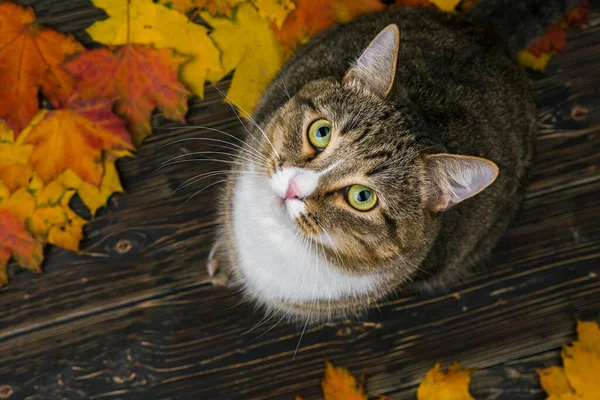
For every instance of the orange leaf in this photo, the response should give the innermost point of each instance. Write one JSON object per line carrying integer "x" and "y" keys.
{"x": 339, "y": 384}
{"x": 579, "y": 15}
{"x": 15, "y": 240}
{"x": 312, "y": 16}
{"x": 413, "y": 3}
{"x": 30, "y": 59}
{"x": 141, "y": 78}
{"x": 450, "y": 385}
{"x": 555, "y": 39}
{"x": 75, "y": 138}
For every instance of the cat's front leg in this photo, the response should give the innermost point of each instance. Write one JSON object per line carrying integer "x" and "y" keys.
{"x": 216, "y": 264}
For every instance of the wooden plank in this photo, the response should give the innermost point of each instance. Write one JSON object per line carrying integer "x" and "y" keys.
{"x": 135, "y": 317}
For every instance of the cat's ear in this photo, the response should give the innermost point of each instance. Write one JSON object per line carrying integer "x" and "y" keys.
{"x": 450, "y": 179}
{"x": 375, "y": 69}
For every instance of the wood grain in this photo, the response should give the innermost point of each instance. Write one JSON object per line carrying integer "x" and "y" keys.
{"x": 134, "y": 316}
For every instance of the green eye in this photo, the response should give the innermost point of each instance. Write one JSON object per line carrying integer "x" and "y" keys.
{"x": 319, "y": 134}
{"x": 361, "y": 197}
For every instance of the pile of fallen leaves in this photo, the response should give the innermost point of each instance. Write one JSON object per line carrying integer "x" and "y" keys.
{"x": 578, "y": 379}
{"x": 99, "y": 101}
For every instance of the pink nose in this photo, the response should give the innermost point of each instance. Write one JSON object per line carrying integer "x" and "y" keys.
{"x": 293, "y": 192}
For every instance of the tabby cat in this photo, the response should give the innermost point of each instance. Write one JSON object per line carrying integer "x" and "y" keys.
{"x": 388, "y": 152}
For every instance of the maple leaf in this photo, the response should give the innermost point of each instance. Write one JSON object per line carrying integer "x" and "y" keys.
{"x": 312, "y": 16}
{"x": 446, "y": 5}
{"x": 450, "y": 385}
{"x": 220, "y": 7}
{"x": 75, "y": 138}
{"x": 578, "y": 15}
{"x": 579, "y": 376}
{"x": 15, "y": 173}
{"x": 250, "y": 48}
{"x": 144, "y": 22}
{"x": 15, "y": 240}
{"x": 141, "y": 78}
{"x": 52, "y": 220}
{"x": 553, "y": 40}
{"x": 412, "y": 3}
{"x": 531, "y": 61}
{"x": 30, "y": 59}
{"x": 339, "y": 384}
{"x": 92, "y": 196}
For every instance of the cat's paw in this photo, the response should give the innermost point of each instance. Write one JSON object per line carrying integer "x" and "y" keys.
{"x": 216, "y": 270}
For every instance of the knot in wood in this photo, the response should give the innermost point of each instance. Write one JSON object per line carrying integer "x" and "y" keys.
{"x": 6, "y": 391}
{"x": 123, "y": 246}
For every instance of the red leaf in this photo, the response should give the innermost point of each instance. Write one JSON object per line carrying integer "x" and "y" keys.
{"x": 140, "y": 78}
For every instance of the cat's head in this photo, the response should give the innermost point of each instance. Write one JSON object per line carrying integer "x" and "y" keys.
{"x": 360, "y": 177}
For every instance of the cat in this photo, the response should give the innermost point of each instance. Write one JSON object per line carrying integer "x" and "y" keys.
{"x": 389, "y": 152}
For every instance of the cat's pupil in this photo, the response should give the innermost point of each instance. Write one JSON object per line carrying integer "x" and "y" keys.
{"x": 322, "y": 132}
{"x": 364, "y": 195}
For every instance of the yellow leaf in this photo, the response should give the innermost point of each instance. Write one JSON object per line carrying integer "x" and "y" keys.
{"x": 14, "y": 170}
{"x": 248, "y": 45}
{"x": 49, "y": 195}
{"x": 531, "y": 61}
{"x": 6, "y": 134}
{"x": 446, "y": 5}
{"x": 588, "y": 333}
{"x": 69, "y": 234}
{"x": 144, "y": 22}
{"x": 339, "y": 384}
{"x": 21, "y": 203}
{"x": 274, "y": 10}
{"x": 4, "y": 193}
{"x": 94, "y": 197}
{"x": 580, "y": 376}
{"x": 450, "y": 385}
{"x": 554, "y": 381}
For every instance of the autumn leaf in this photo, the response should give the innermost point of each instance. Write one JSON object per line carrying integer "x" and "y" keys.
{"x": 531, "y": 61}
{"x": 450, "y": 385}
{"x": 539, "y": 53}
{"x": 144, "y": 22}
{"x": 74, "y": 138}
{"x": 339, "y": 384}
{"x": 446, "y": 5}
{"x": 14, "y": 170}
{"x": 312, "y": 16}
{"x": 92, "y": 196}
{"x": 15, "y": 240}
{"x": 578, "y": 15}
{"x": 30, "y": 59}
{"x": 140, "y": 78}
{"x": 578, "y": 378}
{"x": 220, "y": 7}
{"x": 250, "y": 48}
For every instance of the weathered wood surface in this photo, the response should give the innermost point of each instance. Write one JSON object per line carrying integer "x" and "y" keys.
{"x": 134, "y": 315}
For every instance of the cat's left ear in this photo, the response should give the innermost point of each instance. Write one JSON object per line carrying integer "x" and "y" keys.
{"x": 375, "y": 69}
{"x": 449, "y": 179}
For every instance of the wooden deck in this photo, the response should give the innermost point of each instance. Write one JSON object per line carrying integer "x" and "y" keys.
{"x": 135, "y": 316}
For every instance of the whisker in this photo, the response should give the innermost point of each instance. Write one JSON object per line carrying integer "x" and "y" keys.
{"x": 198, "y": 178}
{"x": 247, "y": 115}
{"x": 194, "y": 153}
{"x": 201, "y": 190}
{"x": 285, "y": 89}
{"x": 214, "y": 130}
{"x": 224, "y": 142}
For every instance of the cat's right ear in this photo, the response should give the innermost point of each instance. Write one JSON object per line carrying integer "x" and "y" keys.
{"x": 375, "y": 69}
{"x": 449, "y": 179}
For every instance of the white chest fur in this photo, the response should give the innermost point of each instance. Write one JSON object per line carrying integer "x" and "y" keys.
{"x": 277, "y": 262}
